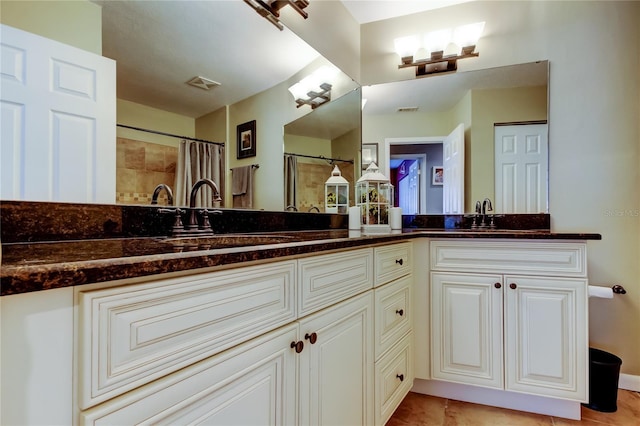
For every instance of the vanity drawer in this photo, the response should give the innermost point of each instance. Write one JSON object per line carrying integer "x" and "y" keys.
{"x": 131, "y": 335}
{"x": 393, "y": 378}
{"x": 332, "y": 278}
{"x": 393, "y": 313}
{"x": 391, "y": 262}
{"x": 523, "y": 257}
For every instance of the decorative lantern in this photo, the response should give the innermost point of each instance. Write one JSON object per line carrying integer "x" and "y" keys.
{"x": 374, "y": 196}
{"x": 336, "y": 193}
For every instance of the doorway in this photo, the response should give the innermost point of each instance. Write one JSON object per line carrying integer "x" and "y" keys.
{"x": 414, "y": 190}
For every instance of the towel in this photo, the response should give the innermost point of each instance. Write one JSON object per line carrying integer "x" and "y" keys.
{"x": 242, "y": 187}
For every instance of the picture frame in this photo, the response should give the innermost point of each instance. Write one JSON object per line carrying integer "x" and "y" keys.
{"x": 246, "y": 139}
{"x": 369, "y": 154}
{"x": 437, "y": 175}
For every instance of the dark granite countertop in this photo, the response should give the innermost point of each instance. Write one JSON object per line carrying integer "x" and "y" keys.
{"x": 36, "y": 266}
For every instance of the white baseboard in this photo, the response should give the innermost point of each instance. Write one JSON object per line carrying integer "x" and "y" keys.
{"x": 629, "y": 382}
{"x": 499, "y": 398}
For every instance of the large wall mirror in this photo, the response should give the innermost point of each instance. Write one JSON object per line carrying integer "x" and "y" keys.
{"x": 504, "y": 117}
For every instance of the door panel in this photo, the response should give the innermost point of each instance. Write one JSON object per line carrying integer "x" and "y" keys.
{"x": 453, "y": 164}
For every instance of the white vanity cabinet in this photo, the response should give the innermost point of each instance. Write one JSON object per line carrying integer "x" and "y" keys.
{"x": 393, "y": 327}
{"x": 511, "y": 315}
{"x": 288, "y": 342}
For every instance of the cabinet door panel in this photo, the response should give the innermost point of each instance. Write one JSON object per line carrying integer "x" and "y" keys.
{"x": 393, "y": 312}
{"x": 336, "y": 372}
{"x": 546, "y": 337}
{"x": 467, "y": 328}
{"x": 131, "y": 335}
{"x": 251, "y": 384}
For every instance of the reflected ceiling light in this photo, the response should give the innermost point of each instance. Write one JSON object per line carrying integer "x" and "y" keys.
{"x": 270, "y": 9}
{"x": 315, "y": 89}
{"x": 435, "y": 43}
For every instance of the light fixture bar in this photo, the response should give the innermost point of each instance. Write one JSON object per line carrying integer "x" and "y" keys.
{"x": 438, "y": 63}
{"x": 271, "y": 9}
{"x": 315, "y": 99}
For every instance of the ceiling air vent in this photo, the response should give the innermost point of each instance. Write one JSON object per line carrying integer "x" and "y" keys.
{"x": 203, "y": 83}
{"x": 407, "y": 109}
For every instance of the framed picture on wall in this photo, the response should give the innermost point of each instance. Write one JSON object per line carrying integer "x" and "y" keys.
{"x": 369, "y": 154}
{"x": 437, "y": 177}
{"x": 246, "y": 139}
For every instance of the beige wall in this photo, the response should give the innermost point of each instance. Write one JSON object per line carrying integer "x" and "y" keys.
{"x": 145, "y": 117}
{"x": 594, "y": 135}
{"x": 76, "y": 23}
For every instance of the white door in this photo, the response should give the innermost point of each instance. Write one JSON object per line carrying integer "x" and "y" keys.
{"x": 58, "y": 121}
{"x": 546, "y": 336}
{"x": 409, "y": 190}
{"x": 466, "y": 324}
{"x": 521, "y": 164}
{"x": 453, "y": 164}
{"x": 337, "y": 371}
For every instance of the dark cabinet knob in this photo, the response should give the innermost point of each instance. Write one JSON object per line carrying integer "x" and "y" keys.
{"x": 399, "y": 262}
{"x": 298, "y": 346}
{"x": 513, "y": 286}
{"x": 400, "y": 312}
{"x": 497, "y": 285}
{"x": 313, "y": 337}
{"x": 400, "y": 376}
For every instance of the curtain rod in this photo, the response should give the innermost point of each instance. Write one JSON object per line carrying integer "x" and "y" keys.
{"x": 168, "y": 134}
{"x": 320, "y": 157}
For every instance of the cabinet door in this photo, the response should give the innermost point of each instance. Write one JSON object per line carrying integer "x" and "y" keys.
{"x": 466, "y": 328}
{"x": 250, "y": 384}
{"x": 336, "y": 372}
{"x": 546, "y": 336}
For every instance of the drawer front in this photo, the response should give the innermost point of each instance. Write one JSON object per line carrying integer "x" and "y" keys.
{"x": 394, "y": 378}
{"x": 259, "y": 374}
{"x": 392, "y": 262}
{"x": 393, "y": 313}
{"x": 522, "y": 257}
{"x": 131, "y": 335}
{"x": 331, "y": 278}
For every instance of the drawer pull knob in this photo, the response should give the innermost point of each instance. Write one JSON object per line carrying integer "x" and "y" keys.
{"x": 298, "y": 346}
{"x": 513, "y": 286}
{"x": 399, "y": 262}
{"x": 400, "y": 376}
{"x": 313, "y": 337}
{"x": 400, "y": 312}
{"x": 497, "y": 285}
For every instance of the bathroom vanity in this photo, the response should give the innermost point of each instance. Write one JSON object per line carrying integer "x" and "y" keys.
{"x": 322, "y": 330}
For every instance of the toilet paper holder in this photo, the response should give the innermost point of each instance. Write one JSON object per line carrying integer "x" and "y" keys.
{"x": 618, "y": 289}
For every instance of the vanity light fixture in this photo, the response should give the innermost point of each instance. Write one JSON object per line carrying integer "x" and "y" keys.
{"x": 270, "y": 9}
{"x": 315, "y": 89}
{"x": 435, "y": 43}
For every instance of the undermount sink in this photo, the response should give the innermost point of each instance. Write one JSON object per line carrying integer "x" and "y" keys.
{"x": 227, "y": 241}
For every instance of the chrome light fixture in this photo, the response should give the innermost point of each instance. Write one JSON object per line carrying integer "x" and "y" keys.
{"x": 435, "y": 43}
{"x": 315, "y": 89}
{"x": 270, "y": 9}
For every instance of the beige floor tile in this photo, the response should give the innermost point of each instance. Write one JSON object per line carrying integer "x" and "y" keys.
{"x": 417, "y": 409}
{"x": 420, "y": 410}
{"x": 466, "y": 414}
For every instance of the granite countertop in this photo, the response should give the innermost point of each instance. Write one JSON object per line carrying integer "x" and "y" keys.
{"x": 36, "y": 266}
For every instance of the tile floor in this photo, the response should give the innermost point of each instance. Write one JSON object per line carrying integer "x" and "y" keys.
{"x": 417, "y": 409}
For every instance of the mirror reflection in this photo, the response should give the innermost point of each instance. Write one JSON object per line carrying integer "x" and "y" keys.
{"x": 501, "y": 115}
{"x": 328, "y": 136}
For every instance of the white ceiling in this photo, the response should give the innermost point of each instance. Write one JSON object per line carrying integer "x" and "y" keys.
{"x": 160, "y": 45}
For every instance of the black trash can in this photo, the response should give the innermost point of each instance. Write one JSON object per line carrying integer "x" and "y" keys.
{"x": 604, "y": 371}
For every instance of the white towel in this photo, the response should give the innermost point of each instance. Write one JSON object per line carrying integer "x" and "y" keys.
{"x": 242, "y": 187}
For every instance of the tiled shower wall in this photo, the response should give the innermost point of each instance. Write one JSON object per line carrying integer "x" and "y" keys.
{"x": 140, "y": 167}
{"x": 311, "y": 179}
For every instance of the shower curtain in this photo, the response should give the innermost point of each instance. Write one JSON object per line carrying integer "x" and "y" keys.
{"x": 197, "y": 160}
{"x": 290, "y": 172}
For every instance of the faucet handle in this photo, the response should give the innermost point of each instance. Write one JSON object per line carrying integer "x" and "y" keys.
{"x": 206, "y": 224}
{"x": 177, "y": 223}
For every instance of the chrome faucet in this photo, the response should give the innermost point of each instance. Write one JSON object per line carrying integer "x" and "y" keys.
{"x": 486, "y": 205}
{"x": 156, "y": 194}
{"x": 193, "y": 226}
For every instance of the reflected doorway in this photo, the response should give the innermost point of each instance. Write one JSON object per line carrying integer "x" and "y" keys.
{"x": 411, "y": 163}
